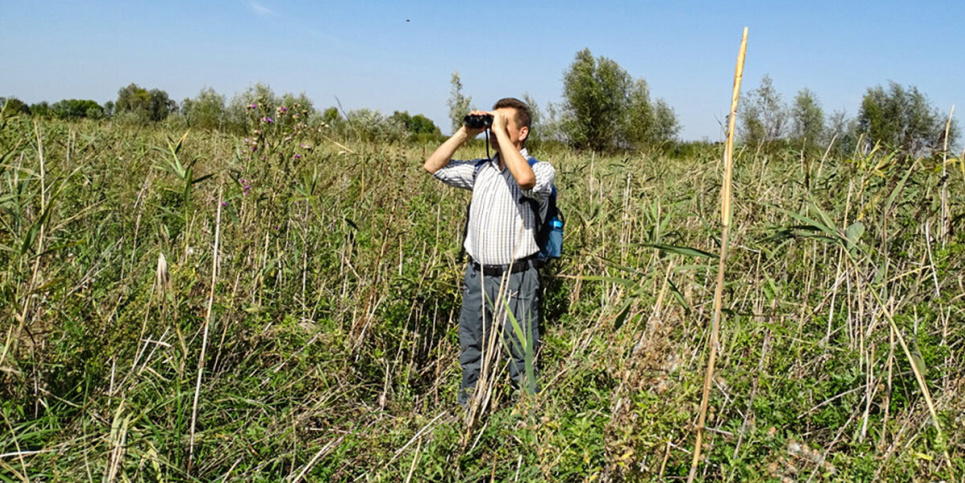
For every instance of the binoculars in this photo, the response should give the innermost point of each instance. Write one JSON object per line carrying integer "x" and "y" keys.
{"x": 478, "y": 121}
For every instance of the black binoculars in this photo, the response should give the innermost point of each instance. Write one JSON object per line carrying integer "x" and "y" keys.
{"x": 478, "y": 121}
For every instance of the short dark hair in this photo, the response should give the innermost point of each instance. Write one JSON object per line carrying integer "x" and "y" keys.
{"x": 523, "y": 115}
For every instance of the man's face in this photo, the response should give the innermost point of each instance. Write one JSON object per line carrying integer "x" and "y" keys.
{"x": 515, "y": 133}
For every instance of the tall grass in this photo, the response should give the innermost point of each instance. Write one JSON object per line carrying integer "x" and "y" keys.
{"x": 332, "y": 350}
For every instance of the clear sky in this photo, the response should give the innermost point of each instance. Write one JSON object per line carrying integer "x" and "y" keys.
{"x": 400, "y": 55}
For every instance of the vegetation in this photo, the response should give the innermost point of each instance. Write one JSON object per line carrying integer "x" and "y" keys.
{"x": 280, "y": 305}
{"x": 902, "y": 120}
{"x": 604, "y": 109}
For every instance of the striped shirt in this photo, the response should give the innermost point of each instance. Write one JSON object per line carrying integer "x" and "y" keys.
{"x": 502, "y": 226}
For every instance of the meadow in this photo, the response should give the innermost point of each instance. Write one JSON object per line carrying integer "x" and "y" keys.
{"x": 191, "y": 305}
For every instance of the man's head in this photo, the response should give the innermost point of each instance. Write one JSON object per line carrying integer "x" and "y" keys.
{"x": 519, "y": 116}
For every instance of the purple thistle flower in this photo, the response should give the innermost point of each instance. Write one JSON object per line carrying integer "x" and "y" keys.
{"x": 298, "y": 156}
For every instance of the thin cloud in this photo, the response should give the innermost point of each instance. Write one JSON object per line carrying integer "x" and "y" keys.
{"x": 261, "y": 10}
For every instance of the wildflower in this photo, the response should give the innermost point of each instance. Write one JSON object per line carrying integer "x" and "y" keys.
{"x": 298, "y": 156}
{"x": 224, "y": 203}
{"x": 284, "y": 109}
{"x": 303, "y": 145}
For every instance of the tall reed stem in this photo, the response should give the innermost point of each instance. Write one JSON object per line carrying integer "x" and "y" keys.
{"x": 207, "y": 325}
{"x": 725, "y": 215}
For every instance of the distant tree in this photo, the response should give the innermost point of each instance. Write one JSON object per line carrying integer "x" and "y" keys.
{"x": 370, "y": 125}
{"x": 807, "y": 120}
{"x": 763, "y": 115}
{"x": 903, "y": 120}
{"x": 247, "y": 107}
{"x": 459, "y": 105}
{"x": 415, "y": 125}
{"x": 294, "y": 109}
{"x": 844, "y": 132}
{"x": 649, "y": 123}
{"x": 142, "y": 105}
{"x": 605, "y": 109}
{"x": 12, "y": 106}
{"x": 205, "y": 111}
{"x": 41, "y": 109}
{"x": 109, "y": 108}
{"x": 331, "y": 117}
{"x": 76, "y": 109}
{"x": 536, "y": 128}
{"x": 596, "y": 101}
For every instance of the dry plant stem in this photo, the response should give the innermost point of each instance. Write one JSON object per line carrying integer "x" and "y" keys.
{"x": 725, "y": 213}
{"x": 207, "y": 324}
{"x": 946, "y": 214}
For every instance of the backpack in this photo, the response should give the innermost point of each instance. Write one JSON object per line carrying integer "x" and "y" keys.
{"x": 549, "y": 235}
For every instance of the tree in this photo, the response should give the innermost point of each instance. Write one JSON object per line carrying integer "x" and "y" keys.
{"x": 649, "y": 123}
{"x": 417, "y": 124}
{"x": 596, "y": 98}
{"x": 903, "y": 120}
{"x": 142, "y": 105}
{"x": 206, "y": 111}
{"x": 763, "y": 114}
{"x": 41, "y": 109}
{"x": 807, "y": 119}
{"x": 536, "y": 127}
{"x": 76, "y": 109}
{"x": 605, "y": 109}
{"x": 459, "y": 105}
{"x": 12, "y": 106}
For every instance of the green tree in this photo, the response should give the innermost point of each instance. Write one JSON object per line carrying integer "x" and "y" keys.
{"x": 763, "y": 115}
{"x": 596, "y": 100}
{"x": 144, "y": 106}
{"x": 604, "y": 108}
{"x": 807, "y": 120}
{"x": 332, "y": 118}
{"x": 903, "y": 120}
{"x": 416, "y": 125}
{"x": 77, "y": 109}
{"x": 649, "y": 123}
{"x": 246, "y": 108}
{"x": 12, "y": 106}
{"x": 206, "y": 110}
{"x": 459, "y": 105}
{"x": 41, "y": 109}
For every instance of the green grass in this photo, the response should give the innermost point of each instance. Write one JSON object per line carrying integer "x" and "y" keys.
{"x": 332, "y": 348}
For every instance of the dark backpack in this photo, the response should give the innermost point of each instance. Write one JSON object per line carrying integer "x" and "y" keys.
{"x": 549, "y": 234}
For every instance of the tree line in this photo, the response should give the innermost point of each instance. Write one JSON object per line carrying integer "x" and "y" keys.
{"x": 603, "y": 109}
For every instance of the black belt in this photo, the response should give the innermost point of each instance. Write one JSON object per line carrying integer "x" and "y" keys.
{"x": 515, "y": 267}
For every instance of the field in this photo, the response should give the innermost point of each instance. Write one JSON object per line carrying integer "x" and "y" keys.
{"x": 199, "y": 306}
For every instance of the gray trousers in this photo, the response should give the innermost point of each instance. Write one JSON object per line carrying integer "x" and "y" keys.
{"x": 480, "y": 293}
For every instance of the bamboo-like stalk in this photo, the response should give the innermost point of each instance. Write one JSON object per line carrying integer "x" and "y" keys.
{"x": 207, "y": 325}
{"x": 946, "y": 213}
{"x": 725, "y": 215}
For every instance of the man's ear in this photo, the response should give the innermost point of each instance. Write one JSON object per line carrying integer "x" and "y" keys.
{"x": 523, "y": 133}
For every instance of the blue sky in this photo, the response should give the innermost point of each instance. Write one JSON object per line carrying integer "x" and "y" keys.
{"x": 400, "y": 55}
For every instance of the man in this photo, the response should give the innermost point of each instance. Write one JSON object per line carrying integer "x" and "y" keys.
{"x": 500, "y": 240}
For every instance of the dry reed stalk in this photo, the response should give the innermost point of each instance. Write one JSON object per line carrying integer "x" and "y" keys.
{"x": 725, "y": 215}
{"x": 946, "y": 211}
{"x": 207, "y": 325}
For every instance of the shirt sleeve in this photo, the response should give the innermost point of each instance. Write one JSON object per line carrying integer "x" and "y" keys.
{"x": 458, "y": 174}
{"x": 545, "y": 176}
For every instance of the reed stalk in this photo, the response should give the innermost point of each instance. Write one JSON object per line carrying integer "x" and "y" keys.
{"x": 207, "y": 325}
{"x": 725, "y": 215}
